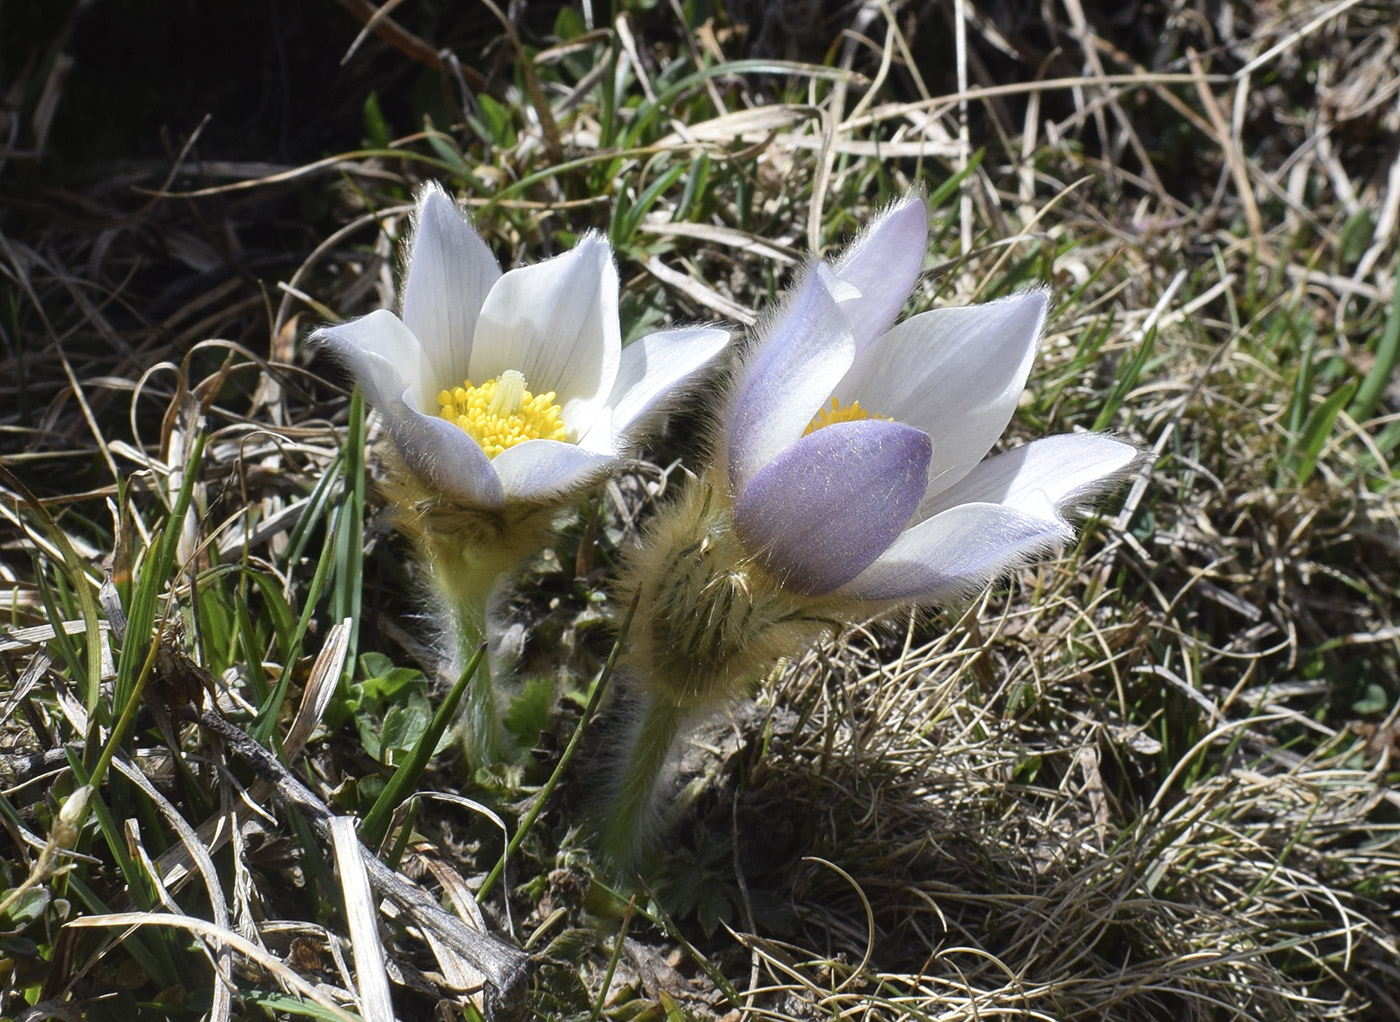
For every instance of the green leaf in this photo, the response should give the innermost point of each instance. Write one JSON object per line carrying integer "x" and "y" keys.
{"x": 1356, "y": 236}
{"x": 405, "y": 779}
{"x": 383, "y": 681}
{"x": 627, "y": 218}
{"x": 496, "y": 120}
{"x": 1317, "y": 429}
{"x": 404, "y": 725}
{"x": 1383, "y": 371}
{"x": 528, "y": 713}
{"x": 696, "y": 180}
{"x": 376, "y": 130}
{"x": 569, "y": 24}
{"x": 1126, "y": 381}
{"x": 28, "y": 907}
{"x": 1374, "y": 701}
{"x": 289, "y": 1005}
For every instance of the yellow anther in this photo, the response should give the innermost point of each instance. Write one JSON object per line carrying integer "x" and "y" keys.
{"x": 840, "y": 413}
{"x": 502, "y": 413}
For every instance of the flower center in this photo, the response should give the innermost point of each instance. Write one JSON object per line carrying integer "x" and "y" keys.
{"x": 502, "y": 413}
{"x": 840, "y": 413}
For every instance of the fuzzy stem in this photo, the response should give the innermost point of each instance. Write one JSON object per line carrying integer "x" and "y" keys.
{"x": 629, "y": 822}
{"x": 480, "y": 725}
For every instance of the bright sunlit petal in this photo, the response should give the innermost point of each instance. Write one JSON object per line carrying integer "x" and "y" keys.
{"x": 884, "y": 264}
{"x": 1058, "y": 470}
{"x": 382, "y": 354}
{"x": 443, "y": 457}
{"x": 653, "y": 369}
{"x": 546, "y": 471}
{"x": 556, "y": 322}
{"x": 450, "y": 273}
{"x": 956, "y": 374}
{"x": 957, "y": 552}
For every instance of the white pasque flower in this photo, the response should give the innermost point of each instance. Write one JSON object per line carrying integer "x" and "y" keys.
{"x": 856, "y": 446}
{"x": 510, "y": 387}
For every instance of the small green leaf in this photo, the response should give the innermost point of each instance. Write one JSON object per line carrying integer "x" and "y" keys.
{"x": 569, "y": 24}
{"x": 401, "y": 785}
{"x": 1356, "y": 236}
{"x": 529, "y": 711}
{"x": 382, "y": 680}
{"x": 376, "y": 129}
{"x": 1317, "y": 429}
{"x": 696, "y": 181}
{"x": 496, "y": 120}
{"x": 28, "y": 907}
{"x": 1374, "y": 701}
{"x": 1127, "y": 380}
{"x": 1383, "y": 370}
{"x": 404, "y": 725}
{"x": 628, "y": 218}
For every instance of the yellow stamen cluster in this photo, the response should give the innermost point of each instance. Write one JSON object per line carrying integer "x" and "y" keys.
{"x": 839, "y": 413}
{"x": 502, "y": 413}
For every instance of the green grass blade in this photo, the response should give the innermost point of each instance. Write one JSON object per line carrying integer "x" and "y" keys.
{"x": 1382, "y": 372}
{"x": 1317, "y": 429}
{"x": 1126, "y": 381}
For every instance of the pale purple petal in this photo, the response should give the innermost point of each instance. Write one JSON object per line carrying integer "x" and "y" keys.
{"x": 802, "y": 357}
{"x": 956, "y": 374}
{"x": 957, "y": 552}
{"x": 546, "y": 471}
{"x": 653, "y": 369}
{"x": 443, "y": 457}
{"x": 1057, "y": 471}
{"x": 884, "y": 264}
{"x": 383, "y": 355}
{"x": 556, "y": 322}
{"x": 450, "y": 273}
{"x": 826, "y": 507}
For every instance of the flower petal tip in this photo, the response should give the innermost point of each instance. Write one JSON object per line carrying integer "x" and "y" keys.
{"x": 955, "y": 553}
{"x": 803, "y": 355}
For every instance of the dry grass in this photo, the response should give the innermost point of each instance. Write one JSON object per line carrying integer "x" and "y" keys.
{"x": 1150, "y": 780}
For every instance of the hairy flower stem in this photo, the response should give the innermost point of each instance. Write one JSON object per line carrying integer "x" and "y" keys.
{"x": 633, "y": 817}
{"x": 468, "y": 555}
{"x": 479, "y": 721}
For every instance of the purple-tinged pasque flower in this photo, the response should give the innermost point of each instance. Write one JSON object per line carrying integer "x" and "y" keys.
{"x": 505, "y": 396}
{"x": 850, "y": 476}
{"x": 855, "y": 447}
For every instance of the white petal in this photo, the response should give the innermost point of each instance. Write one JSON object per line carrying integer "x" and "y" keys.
{"x": 556, "y": 322}
{"x": 384, "y": 356}
{"x": 956, "y": 553}
{"x": 956, "y": 374}
{"x": 443, "y": 457}
{"x": 547, "y": 471}
{"x": 1058, "y": 472}
{"x": 804, "y": 353}
{"x": 450, "y": 272}
{"x": 884, "y": 264}
{"x": 653, "y": 368}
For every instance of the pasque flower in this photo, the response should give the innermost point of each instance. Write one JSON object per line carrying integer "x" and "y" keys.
{"x": 855, "y": 451}
{"x": 505, "y": 396}
{"x": 850, "y": 476}
{"x": 510, "y": 388}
